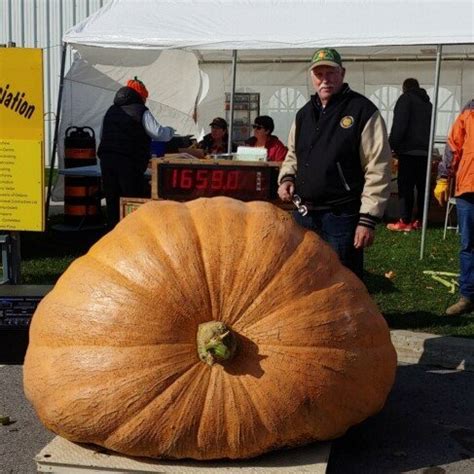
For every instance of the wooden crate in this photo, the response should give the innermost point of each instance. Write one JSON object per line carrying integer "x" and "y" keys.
{"x": 62, "y": 456}
{"x": 130, "y": 204}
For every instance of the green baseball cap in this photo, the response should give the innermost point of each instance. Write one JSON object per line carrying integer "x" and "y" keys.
{"x": 326, "y": 57}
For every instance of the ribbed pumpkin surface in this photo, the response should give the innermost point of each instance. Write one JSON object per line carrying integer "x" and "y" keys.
{"x": 113, "y": 357}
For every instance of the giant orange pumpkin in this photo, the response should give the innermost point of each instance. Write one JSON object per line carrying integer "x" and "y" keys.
{"x": 211, "y": 329}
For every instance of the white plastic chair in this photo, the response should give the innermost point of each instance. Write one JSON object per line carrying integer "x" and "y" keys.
{"x": 450, "y": 205}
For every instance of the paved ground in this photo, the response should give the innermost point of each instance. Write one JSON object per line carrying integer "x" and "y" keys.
{"x": 25, "y": 437}
{"x": 427, "y": 426}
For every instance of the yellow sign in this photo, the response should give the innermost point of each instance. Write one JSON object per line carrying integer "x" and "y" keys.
{"x": 21, "y": 139}
{"x": 21, "y": 185}
{"x": 21, "y": 93}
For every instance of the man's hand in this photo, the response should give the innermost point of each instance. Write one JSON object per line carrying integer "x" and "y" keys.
{"x": 441, "y": 191}
{"x": 286, "y": 191}
{"x": 364, "y": 237}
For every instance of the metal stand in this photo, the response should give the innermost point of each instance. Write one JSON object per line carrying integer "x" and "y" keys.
{"x": 11, "y": 258}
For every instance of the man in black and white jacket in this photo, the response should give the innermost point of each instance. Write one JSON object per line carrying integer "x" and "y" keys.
{"x": 338, "y": 162}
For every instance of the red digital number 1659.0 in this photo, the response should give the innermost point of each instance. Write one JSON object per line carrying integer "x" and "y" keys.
{"x": 217, "y": 179}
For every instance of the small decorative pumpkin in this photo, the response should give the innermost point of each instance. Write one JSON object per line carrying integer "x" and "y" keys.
{"x": 139, "y": 87}
{"x": 211, "y": 329}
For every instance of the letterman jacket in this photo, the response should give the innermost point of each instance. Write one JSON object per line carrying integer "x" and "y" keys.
{"x": 340, "y": 155}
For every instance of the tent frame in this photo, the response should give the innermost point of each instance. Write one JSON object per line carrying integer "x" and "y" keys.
{"x": 56, "y": 128}
{"x": 232, "y": 94}
{"x": 426, "y": 202}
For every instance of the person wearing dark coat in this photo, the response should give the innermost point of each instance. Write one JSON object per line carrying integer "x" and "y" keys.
{"x": 124, "y": 149}
{"x": 409, "y": 140}
{"x": 216, "y": 142}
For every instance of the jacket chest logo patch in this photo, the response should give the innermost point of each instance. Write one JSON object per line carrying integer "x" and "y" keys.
{"x": 347, "y": 121}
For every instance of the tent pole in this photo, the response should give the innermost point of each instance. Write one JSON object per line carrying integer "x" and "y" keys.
{"x": 56, "y": 128}
{"x": 426, "y": 202}
{"x": 231, "y": 105}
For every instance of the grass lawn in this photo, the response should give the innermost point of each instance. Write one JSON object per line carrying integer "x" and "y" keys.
{"x": 408, "y": 300}
{"x": 412, "y": 300}
{"x": 46, "y": 255}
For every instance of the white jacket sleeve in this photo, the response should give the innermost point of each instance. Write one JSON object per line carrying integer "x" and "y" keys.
{"x": 288, "y": 166}
{"x": 154, "y": 129}
{"x": 375, "y": 158}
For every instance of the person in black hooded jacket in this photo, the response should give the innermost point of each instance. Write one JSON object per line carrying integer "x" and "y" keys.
{"x": 124, "y": 149}
{"x": 409, "y": 139}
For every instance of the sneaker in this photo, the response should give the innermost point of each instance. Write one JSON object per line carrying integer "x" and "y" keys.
{"x": 462, "y": 306}
{"x": 400, "y": 226}
{"x": 416, "y": 225}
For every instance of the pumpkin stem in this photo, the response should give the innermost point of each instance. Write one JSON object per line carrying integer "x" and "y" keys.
{"x": 215, "y": 342}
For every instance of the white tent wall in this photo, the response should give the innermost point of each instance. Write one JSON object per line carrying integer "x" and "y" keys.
{"x": 467, "y": 82}
{"x": 285, "y": 87}
{"x": 265, "y": 79}
{"x": 95, "y": 77}
{"x": 383, "y": 85}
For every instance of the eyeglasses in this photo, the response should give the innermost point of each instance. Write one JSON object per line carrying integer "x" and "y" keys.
{"x": 258, "y": 127}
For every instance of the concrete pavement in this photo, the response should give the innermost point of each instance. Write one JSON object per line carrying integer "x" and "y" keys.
{"x": 430, "y": 349}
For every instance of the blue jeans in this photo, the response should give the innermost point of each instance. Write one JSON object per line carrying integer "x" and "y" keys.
{"x": 338, "y": 230}
{"x": 465, "y": 211}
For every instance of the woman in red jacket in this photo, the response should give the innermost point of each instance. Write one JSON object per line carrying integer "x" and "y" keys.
{"x": 263, "y": 127}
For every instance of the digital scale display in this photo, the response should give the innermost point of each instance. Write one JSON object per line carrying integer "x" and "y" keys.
{"x": 190, "y": 181}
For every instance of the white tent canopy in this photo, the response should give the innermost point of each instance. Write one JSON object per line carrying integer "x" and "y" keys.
{"x": 202, "y": 25}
